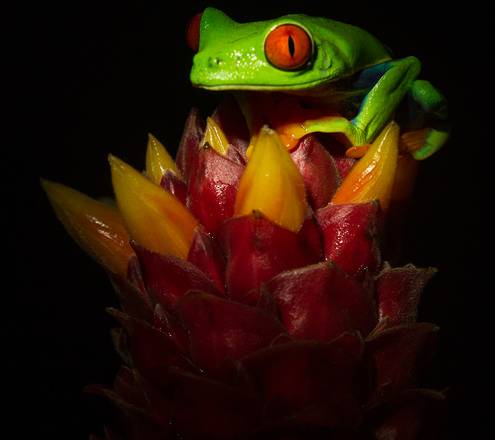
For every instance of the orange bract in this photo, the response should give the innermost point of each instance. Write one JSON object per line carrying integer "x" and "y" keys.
{"x": 372, "y": 177}
{"x": 96, "y": 226}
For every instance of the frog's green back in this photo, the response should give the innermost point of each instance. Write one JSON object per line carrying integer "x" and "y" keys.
{"x": 231, "y": 55}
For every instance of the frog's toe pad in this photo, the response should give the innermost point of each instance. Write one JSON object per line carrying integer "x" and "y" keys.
{"x": 424, "y": 142}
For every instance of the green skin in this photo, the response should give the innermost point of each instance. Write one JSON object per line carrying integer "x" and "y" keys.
{"x": 348, "y": 63}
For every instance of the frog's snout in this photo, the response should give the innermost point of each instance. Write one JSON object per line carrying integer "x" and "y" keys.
{"x": 206, "y": 67}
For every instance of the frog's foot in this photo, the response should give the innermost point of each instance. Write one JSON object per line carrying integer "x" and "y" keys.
{"x": 337, "y": 124}
{"x": 422, "y": 143}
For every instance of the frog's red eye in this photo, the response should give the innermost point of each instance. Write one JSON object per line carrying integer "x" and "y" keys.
{"x": 192, "y": 32}
{"x": 288, "y": 47}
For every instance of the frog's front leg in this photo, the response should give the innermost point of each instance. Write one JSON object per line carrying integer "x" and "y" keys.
{"x": 389, "y": 83}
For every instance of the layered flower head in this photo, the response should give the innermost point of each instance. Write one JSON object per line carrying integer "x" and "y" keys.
{"x": 258, "y": 299}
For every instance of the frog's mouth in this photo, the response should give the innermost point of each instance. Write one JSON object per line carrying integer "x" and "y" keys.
{"x": 330, "y": 91}
{"x": 262, "y": 87}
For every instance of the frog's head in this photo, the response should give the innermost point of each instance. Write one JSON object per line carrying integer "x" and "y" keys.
{"x": 289, "y": 53}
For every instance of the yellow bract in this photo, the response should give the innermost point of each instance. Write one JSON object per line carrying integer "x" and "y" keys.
{"x": 272, "y": 184}
{"x": 158, "y": 160}
{"x": 215, "y": 137}
{"x": 96, "y": 226}
{"x": 372, "y": 177}
{"x": 153, "y": 216}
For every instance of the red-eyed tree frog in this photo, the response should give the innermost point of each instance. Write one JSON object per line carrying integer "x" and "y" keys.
{"x": 320, "y": 60}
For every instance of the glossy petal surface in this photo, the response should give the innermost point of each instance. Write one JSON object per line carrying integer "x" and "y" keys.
{"x": 350, "y": 234}
{"x": 272, "y": 184}
{"x": 153, "y": 216}
{"x": 372, "y": 177}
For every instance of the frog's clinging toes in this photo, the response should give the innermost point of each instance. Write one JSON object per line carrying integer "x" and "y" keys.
{"x": 321, "y": 60}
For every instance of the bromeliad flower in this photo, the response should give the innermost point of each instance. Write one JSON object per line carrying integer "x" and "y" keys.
{"x": 256, "y": 299}
{"x": 255, "y": 271}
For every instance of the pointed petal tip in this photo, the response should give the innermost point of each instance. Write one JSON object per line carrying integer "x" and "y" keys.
{"x": 121, "y": 172}
{"x": 54, "y": 190}
{"x": 115, "y": 162}
{"x": 215, "y": 137}
{"x": 272, "y": 184}
{"x": 45, "y": 183}
{"x": 96, "y": 226}
{"x": 158, "y": 160}
{"x": 154, "y": 217}
{"x": 372, "y": 176}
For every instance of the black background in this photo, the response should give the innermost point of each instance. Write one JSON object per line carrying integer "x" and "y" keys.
{"x": 96, "y": 77}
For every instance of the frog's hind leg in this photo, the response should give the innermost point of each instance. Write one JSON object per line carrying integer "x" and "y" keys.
{"x": 428, "y": 127}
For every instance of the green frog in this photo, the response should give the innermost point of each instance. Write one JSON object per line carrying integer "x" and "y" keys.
{"x": 322, "y": 61}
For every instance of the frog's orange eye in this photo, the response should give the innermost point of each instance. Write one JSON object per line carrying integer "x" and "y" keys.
{"x": 288, "y": 47}
{"x": 192, "y": 32}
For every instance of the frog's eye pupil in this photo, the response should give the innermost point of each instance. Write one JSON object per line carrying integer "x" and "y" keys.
{"x": 291, "y": 46}
{"x": 288, "y": 47}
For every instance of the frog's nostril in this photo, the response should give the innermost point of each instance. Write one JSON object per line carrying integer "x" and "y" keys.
{"x": 214, "y": 61}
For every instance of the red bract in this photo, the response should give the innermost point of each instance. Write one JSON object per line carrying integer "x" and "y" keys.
{"x": 221, "y": 330}
{"x": 167, "y": 278}
{"x": 320, "y": 302}
{"x": 309, "y": 383}
{"x": 258, "y": 249}
{"x": 265, "y": 331}
{"x": 350, "y": 234}
{"x": 398, "y": 290}
{"x": 187, "y": 153}
{"x": 318, "y": 169}
{"x": 205, "y": 254}
{"x": 411, "y": 347}
{"x": 212, "y": 188}
{"x": 175, "y": 186}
